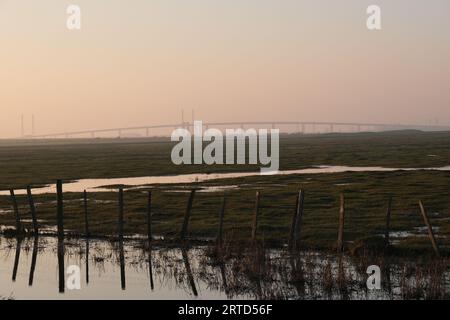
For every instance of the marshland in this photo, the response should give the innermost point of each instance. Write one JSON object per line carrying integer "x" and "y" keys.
{"x": 258, "y": 263}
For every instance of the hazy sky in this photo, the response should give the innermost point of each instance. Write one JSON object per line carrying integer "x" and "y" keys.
{"x": 140, "y": 62}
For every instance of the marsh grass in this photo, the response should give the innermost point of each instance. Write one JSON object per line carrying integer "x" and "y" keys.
{"x": 41, "y": 162}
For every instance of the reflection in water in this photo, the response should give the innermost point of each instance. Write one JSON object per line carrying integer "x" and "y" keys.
{"x": 188, "y": 270}
{"x": 150, "y": 268}
{"x": 183, "y": 273}
{"x": 61, "y": 264}
{"x": 87, "y": 261}
{"x": 33, "y": 260}
{"x": 122, "y": 264}
{"x": 16, "y": 258}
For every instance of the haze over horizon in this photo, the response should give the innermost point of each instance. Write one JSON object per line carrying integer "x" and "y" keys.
{"x": 140, "y": 64}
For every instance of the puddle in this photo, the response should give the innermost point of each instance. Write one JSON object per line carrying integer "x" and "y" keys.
{"x": 205, "y": 189}
{"x": 38, "y": 269}
{"x": 100, "y": 185}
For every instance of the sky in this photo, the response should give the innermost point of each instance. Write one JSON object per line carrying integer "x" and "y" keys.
{"x": 141, "y": 62}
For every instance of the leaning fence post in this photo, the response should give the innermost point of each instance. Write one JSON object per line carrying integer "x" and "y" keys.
{"x": 340, "y": 244}
{"x": 60, "y": 208}
{"x": 187, "y": 215}
{"x": 388, "y": 221}
{"x": 149, "y": 217}
{"x": 16, "y": 211}
{"x": 120, "y": 213}
{"x": 298, "y": 219}
{"x": 86, "y": 221}
{"x": 221, "y": 216}
{"x": 32, "y": 210}
{"x": 430, "y": 228}
{"x": 255, "y": 217}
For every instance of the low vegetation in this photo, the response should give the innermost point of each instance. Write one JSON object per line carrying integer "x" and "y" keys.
{"x": 366, "y": 193}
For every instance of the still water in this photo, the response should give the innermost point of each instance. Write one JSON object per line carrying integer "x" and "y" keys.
{"x": 39, "y": 268}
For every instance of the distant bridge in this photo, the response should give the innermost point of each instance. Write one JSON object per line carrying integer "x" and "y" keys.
{"x": 300, "y": 127}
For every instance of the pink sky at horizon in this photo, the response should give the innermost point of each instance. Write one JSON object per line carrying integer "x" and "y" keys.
{"x": 141, "y": 62}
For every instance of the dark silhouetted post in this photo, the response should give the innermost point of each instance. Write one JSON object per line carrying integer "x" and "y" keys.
{"x": 16, "y": 211}
{"x": 430, "y": 228}
{"x": 255, "y": 217}
{"x": 86, "y": 220}
{"x": 388, "y": 221}
{"x": 60, "y": 208}
{"x": 221, "y": 216}
{"x": 33, "y": 211}
{"x": 187, "y": 215}
{"x": 340, "y": 244}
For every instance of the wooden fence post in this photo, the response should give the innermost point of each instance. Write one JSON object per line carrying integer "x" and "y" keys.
{"x": 299, "y": 217}
{"x": 388, "y": 221}
{"x": 16, "y": 211}
{"x": 430, "y": 228}
{"x": 255, "y": 217}
{"x": 120, "y": 213}
{"x": 33, "y": 211}
{"x": 221, "y": 216}
{"x": 340, "y": 244}
{"x": 86, "y": 220}
{"x": 60, "y": 208}
{"x": 149, "y": 217}
{"x": 187, "y": 215}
